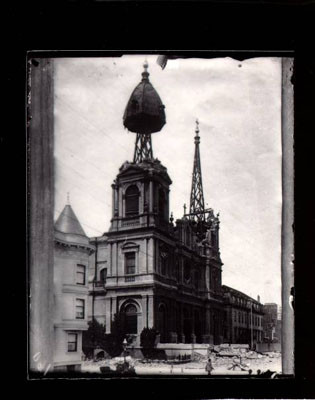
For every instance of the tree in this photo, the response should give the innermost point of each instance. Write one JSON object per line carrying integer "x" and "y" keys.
{"x": 147, "y": 341}
{"x": 113, "y": 341}
{"x": 96, "y": 336}
{"x": 93, "y": 337}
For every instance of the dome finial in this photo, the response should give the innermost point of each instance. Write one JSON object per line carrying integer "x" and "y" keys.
{"x": 145, "y": 73}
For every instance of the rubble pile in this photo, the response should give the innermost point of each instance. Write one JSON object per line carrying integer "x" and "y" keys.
{"x": 226, "y": 359}
{"x": 240, "y": 351}
{"x": 198, "y": 357}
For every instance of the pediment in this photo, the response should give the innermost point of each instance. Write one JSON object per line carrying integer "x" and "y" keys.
{"x": 129, "y": 245}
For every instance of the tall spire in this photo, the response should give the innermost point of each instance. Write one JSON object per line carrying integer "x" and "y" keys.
{"x": 197, "y": 204}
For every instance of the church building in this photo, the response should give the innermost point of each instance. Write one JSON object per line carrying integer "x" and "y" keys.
{"x": 151, "y": 270}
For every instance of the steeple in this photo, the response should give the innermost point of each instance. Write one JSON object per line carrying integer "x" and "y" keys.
{"x": 144, "y": 115}
{"x": 197, "y": 204}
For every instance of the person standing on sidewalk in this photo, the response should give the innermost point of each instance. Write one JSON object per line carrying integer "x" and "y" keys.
{"x": 209, "y": 366}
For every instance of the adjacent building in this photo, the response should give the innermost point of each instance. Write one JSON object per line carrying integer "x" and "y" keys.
{"x": 71, "y": 262}
{"x": 272, "y": 323}
{"x": 243, "y": 318}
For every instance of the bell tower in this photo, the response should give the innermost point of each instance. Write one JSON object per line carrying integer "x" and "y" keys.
{"x": 141, "y": 188}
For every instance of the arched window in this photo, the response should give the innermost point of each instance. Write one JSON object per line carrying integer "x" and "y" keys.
{"x": 131, "y": 319}
{"x": 187, "y": 272}
{"x": 214, "y": 238}
{"x": 132, "y": 200}
{"x": 164, "y": 260}
{"x": 103, "y": 275}
{"x": 162, "y": 203}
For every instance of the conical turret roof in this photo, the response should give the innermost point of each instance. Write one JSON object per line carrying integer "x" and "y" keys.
{"x": 68, "y": 222}
{"x": 144, "y": 112}
{"x": 69, "y": 230}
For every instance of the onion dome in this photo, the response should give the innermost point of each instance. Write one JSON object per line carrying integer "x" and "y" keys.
{"x": 144, "y": 113}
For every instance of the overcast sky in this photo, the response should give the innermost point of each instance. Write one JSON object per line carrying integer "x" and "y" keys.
{"x": 238, "y": 105}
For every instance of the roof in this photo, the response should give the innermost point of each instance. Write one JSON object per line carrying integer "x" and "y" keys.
{"x": 68, "y": 230}
{"x": 228, "y": 289}
{"x": 144, "y": 112}
{"x": 68, "y": 222}
{"x": 148, "y": 166}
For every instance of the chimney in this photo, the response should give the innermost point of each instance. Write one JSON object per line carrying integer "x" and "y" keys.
{"x": 258, "y": 299}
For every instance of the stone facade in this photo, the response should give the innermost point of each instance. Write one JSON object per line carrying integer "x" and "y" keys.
{"x": 270, "y": 323}
{"x": 71, "y": 258}
{"x": 243, "y": 318}
{"x": 158, "y": 273}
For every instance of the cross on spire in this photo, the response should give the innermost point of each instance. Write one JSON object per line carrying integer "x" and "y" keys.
{"x": 197, "y": 204}
{"x": 68, "y": 197}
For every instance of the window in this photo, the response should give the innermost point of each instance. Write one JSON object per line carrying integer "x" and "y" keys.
{"x": 80, "y": 275}
{"x": 164, "y": 261}
{"x": 132, "y": 200}
{"x": 213, "y": 239}
{"x": 187, "y": 272}
{"x": 130, "y": 263}
{"x": 131, "y": 319}
{"x": 72, "y": 342}
{"x": 103, "y": 275}
{"x": 79, "y": 309}
{"x": 197, "y": 277}
{"x": 162, "y": 203}
{"x": 187, "y": 237}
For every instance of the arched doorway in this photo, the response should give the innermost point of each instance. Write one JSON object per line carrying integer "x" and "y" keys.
{"x": 162, "y": 323}
{"x": 131, "y": 319}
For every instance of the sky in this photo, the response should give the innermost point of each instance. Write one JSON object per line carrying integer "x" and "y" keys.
{"x": 238, "y": 105}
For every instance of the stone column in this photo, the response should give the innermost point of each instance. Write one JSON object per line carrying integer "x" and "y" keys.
{"x": 113, "y": 259}
{"x": 114, "y": 308}
{"x": 144, "y": 301}
{"x": 206, "y": 336}
{"x": 193, "y": 335}
{"x": 182, "y": 336}
{"x": 151, "y": 312}
{"x": 173, "y": 333}
{"x": 151, "y": 197}
{"x": 150, "y": 256}
{"x": 113, "y": 200}
{"x": 108, "y": 317}
{"x": 120, "y": 203}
